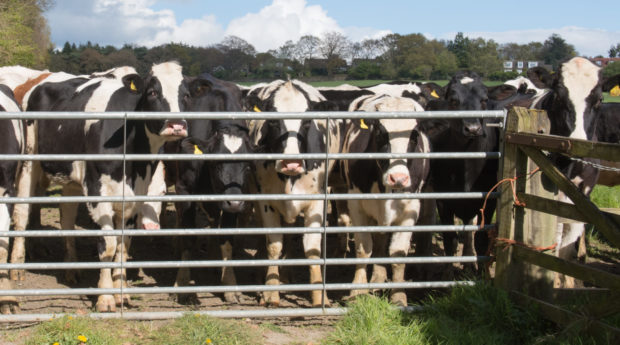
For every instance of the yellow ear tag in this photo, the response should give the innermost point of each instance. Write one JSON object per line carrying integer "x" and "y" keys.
{"x": 363, "y": 124}
{"x": 615, "y": 91}
{"x": 256, "y": 109}
{"x": 434, "y": 94}
{"x": 132, "y": 86}
{"x": 197, "y": 150}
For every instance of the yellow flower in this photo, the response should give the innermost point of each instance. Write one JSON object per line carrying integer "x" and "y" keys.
{"x": 70, "y": 317}
{"x": 208, "y": 341}
{"x": 82, "y": 338}
{"x": 56, "y": 343}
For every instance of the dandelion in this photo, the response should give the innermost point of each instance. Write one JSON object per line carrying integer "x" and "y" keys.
{"x": 82, "y": 338}
{"x": 70, "y": 317}
{"x": 208, "y": 341}
{"x": 56, "y": 343}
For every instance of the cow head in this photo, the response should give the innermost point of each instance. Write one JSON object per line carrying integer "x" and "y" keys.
{"x": 166, "y": 90}
{"x": 465, "y": 91}
{"x": 225, "y": 177}
{"x": 389, "y": 136}
{"x": 576, "y": 96}
{"x": 290, "y": 136}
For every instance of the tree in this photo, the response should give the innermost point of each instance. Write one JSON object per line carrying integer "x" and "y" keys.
{"x": 614, "y": 51}
{"x": 333, "y": 46}
{"x": 555, "y": 51}
{"x": 25, "y": 34}
{"x": 460, "y": 47}
{"x": 307, "y": 47}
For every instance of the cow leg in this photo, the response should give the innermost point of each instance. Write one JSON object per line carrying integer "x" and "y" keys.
{"x": 363, "y": 245}
{"x": 468, "y": 246}
{"x": 119, "y": 275}
{"x": 228, "y": 274}
{"x": 312, "y": 249}
{"x": 26, "y": 185}
{"x": 107, "y": 251}
{"x": 274, "y": 250}
{"x": 399, "y": 247}
{"x": 8, "y": 304}
{"x": 379, "y": 271}
{"x": 186, "y": 216}
{"x": 68, "y": 215}
{"x": 151, "y": 210}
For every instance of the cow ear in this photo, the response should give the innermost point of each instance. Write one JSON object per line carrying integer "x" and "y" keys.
{"x": 612, "y": 83}
{"x": 199, "y": 86}
{"x": 432, "y": 91}
{"x": 364, "y": 124}
{"x": 193, "y": 145}
{"x": 540, "y": 77}
{"x": 133, "y": 83}
{"x": 252, "y": 103}
{"x": 501, "y": 92}
{"x": 433, "y": 128}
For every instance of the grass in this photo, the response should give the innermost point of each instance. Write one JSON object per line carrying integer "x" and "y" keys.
{"x": 189, "y": 329}
{"x": 479, "y": 314}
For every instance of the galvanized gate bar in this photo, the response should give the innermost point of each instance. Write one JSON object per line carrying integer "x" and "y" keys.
{"x": 245, "y": 197}
{"x": 310, "y": 115}
{"x": 230, "y": 288}
{"x": 241, "y": 231}
{"x": 245, "y": 263}
{"x": 247, "y": 156}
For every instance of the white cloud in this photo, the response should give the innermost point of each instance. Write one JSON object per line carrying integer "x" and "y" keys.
{"x": 587, "y": 42}
{"x": 283, "y": 20}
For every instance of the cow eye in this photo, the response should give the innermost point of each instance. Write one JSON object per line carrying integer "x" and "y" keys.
{"x": 152, "y": 93}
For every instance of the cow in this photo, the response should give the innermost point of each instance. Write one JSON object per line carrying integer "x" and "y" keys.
{"x": 422, "y": 93}
{"x": 608, "y": 131}
{"x": 211, "y": 177}
{"x": 573, "y": 104}
{"x": 164, "y": 89}
{"x": 465, "y": 91}
{"x": 291, "y": 176}
{"x": 384, "y": 176}
{"x": 11, "y": 142}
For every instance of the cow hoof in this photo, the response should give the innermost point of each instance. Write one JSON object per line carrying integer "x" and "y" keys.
{"x": 9, "y": 306}
{"x": 18, "y": 275}
{"x": 231, "y": 297}
{"x": 186, "y": 298}
{"x": 271, "y": 299}
{"x": 106, "y": 304}
{"x": 317, "y": 300}
{"x": 399, "y": 299}
{"x": 124, "y": 300}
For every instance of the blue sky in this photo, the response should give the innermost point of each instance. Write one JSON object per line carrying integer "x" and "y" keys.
{"x": 267, "y": 24}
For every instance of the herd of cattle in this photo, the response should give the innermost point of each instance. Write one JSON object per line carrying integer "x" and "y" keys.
{"x": 572, "y": 97}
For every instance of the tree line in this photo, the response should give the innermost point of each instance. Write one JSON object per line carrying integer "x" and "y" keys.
{"x": 25, "y": 41}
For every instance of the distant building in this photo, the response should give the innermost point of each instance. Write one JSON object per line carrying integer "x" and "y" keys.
{"x": 602, "y": 62}
{"x": 520, "y": 65}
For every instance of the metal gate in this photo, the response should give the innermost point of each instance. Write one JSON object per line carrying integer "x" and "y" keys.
{"x": 326, "y": 229}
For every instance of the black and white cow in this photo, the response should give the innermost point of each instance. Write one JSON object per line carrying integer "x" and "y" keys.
{"x": 291, "y": 176}
{"x": 164, "y": 89}
{"x": 573, "y": 104}
{"x": 422, "y": 93}
{"x": 385, "y": 176}
{"x": 11, "y": 142}
{"x": 465, "y": 91}
{"x": 211, "y": 177}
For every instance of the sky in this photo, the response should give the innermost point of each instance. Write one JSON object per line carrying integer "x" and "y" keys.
{"x": 268, "y": 24}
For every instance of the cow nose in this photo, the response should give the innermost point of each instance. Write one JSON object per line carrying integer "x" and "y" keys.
{"x": 398, "y": 180}
{"x": 472, "y": 129}
{"x": 177, "y": 128}
{"x": 292, "y": 167}
{"x": 233, "y": 206}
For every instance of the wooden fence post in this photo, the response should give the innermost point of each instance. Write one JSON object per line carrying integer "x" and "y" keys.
{"x": 520, "y": 224}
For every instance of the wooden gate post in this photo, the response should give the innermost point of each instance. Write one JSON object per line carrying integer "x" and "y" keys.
{"x": 520, "y": 224}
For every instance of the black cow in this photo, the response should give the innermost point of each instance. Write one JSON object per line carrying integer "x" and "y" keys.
{"x": 291, "y": 176}
{"x": 164, "y": 89}
{"x": 11, "y": 142}
{"x": 211, "y": 177}
{"x": 385, "y": 176}
{"x": 465, "y": 91}
{"x": 608, "y": 130}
